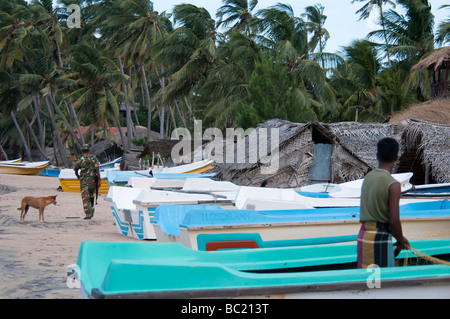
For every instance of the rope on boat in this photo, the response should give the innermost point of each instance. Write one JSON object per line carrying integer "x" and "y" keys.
{"x": 426, "y": 257}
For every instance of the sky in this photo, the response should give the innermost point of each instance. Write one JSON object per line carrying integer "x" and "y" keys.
{"x": 342, "y": 22}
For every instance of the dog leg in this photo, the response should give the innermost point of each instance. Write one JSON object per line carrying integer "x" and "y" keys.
{"x": 41, "y": 215}
{"x": 24, "y": 212}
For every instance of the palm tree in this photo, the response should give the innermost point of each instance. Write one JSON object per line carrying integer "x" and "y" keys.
{"x": 188, "y": 53}
{"x": 410, "y": 35}
{"x": 99, "y": 80}
{"x": 133, "y": 28}
{"x": 287, "y": 36}
{"x": 239, "y": 12}
{"x": 356, "y": 81}
{"x": 219, "y": 95}
{"x": 365, "y": 11}
{"x": 14, "y": 31}
{"x": 443, "y": 34}
{"x": 316, "y": 21}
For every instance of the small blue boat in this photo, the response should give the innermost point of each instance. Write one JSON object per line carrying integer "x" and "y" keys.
{"x": 51, "y": 171}
{"x": 169, "y": 270}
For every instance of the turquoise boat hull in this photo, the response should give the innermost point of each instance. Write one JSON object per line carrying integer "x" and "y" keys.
{"x": 169, "y": 270}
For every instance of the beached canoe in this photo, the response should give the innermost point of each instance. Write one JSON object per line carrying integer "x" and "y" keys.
{"x": 134, "y": 208}
{"x": 430, "y": 190}
{"x": 23, "y": 168}
{"x": 349, "y": 189}
{"x": 70, "y": 183}
{"x": 121, "y": 178}
{"x": 111, "y": 164}
{"x": 199, "y": 167}
{"x": 210, "y": 229}
{"x": 128, "y": 220}
{"x": 17, "y": 160}
{"x": 265, "y": 198}
{"x": 169, "y": 270}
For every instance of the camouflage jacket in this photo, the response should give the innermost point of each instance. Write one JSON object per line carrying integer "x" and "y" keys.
{"x": 88, "y": 166}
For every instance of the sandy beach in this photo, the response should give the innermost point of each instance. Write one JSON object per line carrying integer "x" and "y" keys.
{"x": 34, "y": 257}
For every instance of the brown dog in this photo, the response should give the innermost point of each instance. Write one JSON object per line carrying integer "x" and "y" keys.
{"x": 35, "y": 202}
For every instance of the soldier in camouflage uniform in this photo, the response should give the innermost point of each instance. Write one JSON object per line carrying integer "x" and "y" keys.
{"x": 89, "y": 177}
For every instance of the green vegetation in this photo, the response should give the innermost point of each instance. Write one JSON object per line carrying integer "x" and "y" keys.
{"x": 240, "y": 69}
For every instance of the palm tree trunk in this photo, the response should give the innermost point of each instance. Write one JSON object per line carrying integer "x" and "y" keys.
{"x": 3, "y": 152}
{"x": 22, "y": 137}
{"x": 37, "y": 109}
{"x": 162, "y": 83}
{"x": 147, "y": 99}
{"x": 133, "y": 98}
{"x": 33, "y": 136}
{"x": 384, "y": 33}
{"x": 77, "y": 123}
{"x": 63, "y": 117}
{"x": 128, "y": 111}
{"x": 62, "y": 150}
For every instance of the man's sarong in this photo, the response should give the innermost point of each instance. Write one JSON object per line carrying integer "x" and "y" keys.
{"x": 375, "y": 245}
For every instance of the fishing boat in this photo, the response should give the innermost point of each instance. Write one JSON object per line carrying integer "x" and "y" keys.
{"x": 169, "y": 270}
{"x": 210, "y": 229}
{"x": 111, "y": 164}
{"x": 121, "y": 178}
{"x": 198, "y": 167}
{"x": 430, "y": 190}
{"x": 51, "y": 171}
{"x": 23, "y": 168}
{"x": 128, "y": 220}
{"x": 349, "y": 189}
{"x": 265, "y": 198}
{"x": 70, "y": 183}
{"x": 17, "y": 160}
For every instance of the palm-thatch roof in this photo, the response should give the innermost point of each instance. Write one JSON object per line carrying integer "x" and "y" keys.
{"x": 292, "y": 147}
{"x": 362, "y": 138}
{"x": 432, "y": 141}
{"x": 434, "y": 60}
{"x": 434, "y": 111}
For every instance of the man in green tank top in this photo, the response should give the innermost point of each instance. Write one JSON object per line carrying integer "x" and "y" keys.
{"x": 379, "y": 211}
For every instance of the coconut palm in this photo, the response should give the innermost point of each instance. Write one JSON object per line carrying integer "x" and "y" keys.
{"x": 365, "y": 11}
{"x": 133, "y": 28}
{"x": 316, "y": 21}
{"x": 188, "y": 53}
{"x": 443, "y": 32}
{"x": 410, "y": 36}
{"x": 99, "y": 81}
{"x": 356, "y": 82}
{"x": 238, "y": 12}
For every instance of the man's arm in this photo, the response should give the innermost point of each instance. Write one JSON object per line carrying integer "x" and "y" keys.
{"x": 394, "y": 218}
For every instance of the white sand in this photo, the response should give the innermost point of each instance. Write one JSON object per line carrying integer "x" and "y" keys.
{"x": 34, "y": 257}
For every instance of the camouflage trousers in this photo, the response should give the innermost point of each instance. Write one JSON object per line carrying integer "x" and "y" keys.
{"x": 88, "y": 197}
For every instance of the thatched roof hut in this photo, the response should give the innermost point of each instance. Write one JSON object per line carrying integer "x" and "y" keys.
{"x": 280, "y": 153}
{"x": 438, "y": 62}
{"x": 427, "y": 150}
{"x": 362, "y": 138}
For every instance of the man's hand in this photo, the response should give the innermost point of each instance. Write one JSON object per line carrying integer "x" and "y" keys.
{"x": 401, "y": 244}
